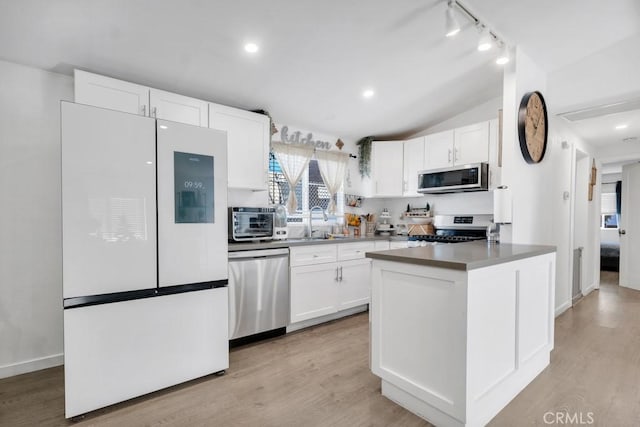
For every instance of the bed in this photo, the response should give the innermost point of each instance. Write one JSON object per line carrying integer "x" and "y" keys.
{"x": 609, "y": 256}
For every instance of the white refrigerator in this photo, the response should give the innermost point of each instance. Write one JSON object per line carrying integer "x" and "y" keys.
{"x": 144, "y": 255}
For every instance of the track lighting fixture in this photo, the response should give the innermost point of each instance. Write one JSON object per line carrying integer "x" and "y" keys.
{"x": 486, "y": 41}
{"x": 503, "y": 55}
{"x": 488, "y": 38}
{"x": 452, "y": 25}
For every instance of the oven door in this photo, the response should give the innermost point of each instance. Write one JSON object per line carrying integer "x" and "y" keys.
{"x": 252, "y": 226}
{"x": 471, "y": 177}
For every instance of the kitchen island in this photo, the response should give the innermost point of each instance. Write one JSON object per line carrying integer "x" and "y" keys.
{"x": 458, "y": 330}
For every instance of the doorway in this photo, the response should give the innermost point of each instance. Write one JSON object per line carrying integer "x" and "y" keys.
{"x": 580, "y": 239}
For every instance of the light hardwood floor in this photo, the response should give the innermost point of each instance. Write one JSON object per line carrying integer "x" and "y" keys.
{"x": 320, "y": 377}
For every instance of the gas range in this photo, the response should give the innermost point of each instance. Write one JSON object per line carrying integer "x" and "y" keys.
{"x": 454, "y": 229}
{"x": 434, "y": 238}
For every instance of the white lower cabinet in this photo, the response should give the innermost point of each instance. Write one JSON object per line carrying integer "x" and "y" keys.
{"x": 354, "y": 287}
{"x": 313, "y": 291}
{"x": 319, "y": 288}
{"x": 398, "y": 244}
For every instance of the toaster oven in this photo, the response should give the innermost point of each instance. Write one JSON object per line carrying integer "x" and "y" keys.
{"x": 246, "y": 224}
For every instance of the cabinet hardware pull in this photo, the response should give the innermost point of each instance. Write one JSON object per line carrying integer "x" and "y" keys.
{"x": 154, "y": 111}
{"x": 341, "y": 274}
{"x": 144, "y": 110}
{"x": 449, "y": 155}
{"x": 455, "y": 157}
{"x": 336, "y": 279}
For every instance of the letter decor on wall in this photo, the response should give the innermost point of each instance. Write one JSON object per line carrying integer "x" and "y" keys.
{"x": 296, "y": 137}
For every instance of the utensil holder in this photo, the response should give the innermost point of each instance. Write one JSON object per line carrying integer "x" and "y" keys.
{"x": 371, "y": 228}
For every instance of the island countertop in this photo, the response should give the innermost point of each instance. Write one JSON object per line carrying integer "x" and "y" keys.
{"x": 462, "y": 256}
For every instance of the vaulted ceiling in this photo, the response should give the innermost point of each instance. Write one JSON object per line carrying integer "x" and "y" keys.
{"x": 315, "y": 57}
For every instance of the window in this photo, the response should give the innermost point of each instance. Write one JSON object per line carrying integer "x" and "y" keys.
{"x": 609, "y": 221}
{"x": 310, "y": 190}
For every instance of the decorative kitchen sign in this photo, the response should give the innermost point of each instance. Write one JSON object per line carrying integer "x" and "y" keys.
{"x": 193, "y": 180}
{"x": 296, "y": 138}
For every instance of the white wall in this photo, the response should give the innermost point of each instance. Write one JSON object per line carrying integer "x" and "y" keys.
{"x": 607, "y": 76}
{"x": 30, "y": 219}
{"x": 480, "y": 113}
{"x": 541, "y": 215}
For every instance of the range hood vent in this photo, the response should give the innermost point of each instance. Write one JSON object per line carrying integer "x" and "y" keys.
{"x": 601, "y": 110}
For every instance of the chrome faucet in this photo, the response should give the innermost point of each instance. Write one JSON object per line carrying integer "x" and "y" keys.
{"x": 324, "y": 217}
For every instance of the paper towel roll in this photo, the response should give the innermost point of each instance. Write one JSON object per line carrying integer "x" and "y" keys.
{"x": 502, "y": 205}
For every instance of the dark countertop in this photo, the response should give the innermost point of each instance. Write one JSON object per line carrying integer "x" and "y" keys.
{"x": 274, "y": 244}
{"x": 462, "y": 256}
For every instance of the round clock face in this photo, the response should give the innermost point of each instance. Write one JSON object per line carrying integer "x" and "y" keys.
{"x": 532, "y": 127}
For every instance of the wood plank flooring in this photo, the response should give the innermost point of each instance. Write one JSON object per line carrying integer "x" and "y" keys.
{"x": 321, "y": 377}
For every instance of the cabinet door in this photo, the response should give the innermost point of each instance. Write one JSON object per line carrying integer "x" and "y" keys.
{"x": 313, "y": 291}
{"x": 105, "y": 92}
{"x": 438, "y": 150}
{"x": 413, "y": 163}
{"x": 248, "y": 137}
{"x": 472, "y": 144}
{"x": 386, "y": 168}
{"x": 381, "y": 245}
{"x": 178, "y": 108}
{"x": 354, "y": 278}
{"x": 399, "y": 244}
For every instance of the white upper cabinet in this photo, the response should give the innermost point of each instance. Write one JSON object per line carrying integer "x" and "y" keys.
{"x": 413, "y": 163}
{"x": 248, "y": 137}
{"x": 461, "y": 146}
{"x": 387, "y": 168}
{"x": 114, "y": 94}
{"x": 438, "y": 150}
{"x": 105, "y": 92}
{"x": 471, "y": 144}
{"x": 178, "y": 108}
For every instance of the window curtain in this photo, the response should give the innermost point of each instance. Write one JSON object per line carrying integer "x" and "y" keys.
{"x": 293, "y": 159}
{"x": 333, "y": 168}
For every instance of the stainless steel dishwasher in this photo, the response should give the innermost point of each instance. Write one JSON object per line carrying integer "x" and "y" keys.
{"x": 258, "y": 293}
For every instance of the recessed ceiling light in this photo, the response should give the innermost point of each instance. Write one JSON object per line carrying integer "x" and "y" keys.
{"x": 368, "y": 93}
{"x": 251, "y": 47}
{"x": 149, "y": 162}
{"x": 163, "y": 127}
{"x": 622, "y": 126}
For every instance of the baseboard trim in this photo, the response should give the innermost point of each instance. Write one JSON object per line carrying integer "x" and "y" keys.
{"x": 588, "y": 290}
{"x": 31, "y": 365}
{"x": 563, "y": 307}
{"x": 327, "y": 318}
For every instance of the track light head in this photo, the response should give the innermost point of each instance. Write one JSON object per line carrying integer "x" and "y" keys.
{"x": 486, "y": 41}
{"x": 503, "y": 55}
{"x": 452, "y": 25}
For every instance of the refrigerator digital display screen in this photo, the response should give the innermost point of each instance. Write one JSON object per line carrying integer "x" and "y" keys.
{"x": 193, "y": 177}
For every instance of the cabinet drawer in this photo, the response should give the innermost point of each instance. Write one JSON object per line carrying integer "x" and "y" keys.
{"x": 399, "y": 244}
{"x": 348, "y": 251}
{"x": 316, "y": 254}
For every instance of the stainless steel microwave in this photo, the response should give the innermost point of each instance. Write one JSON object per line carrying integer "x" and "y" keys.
{"x": 472, "y": 177}
{"x": 250, "y": 224}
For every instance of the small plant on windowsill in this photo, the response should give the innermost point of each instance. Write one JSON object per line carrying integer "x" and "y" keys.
{"x": 364, "y": 156}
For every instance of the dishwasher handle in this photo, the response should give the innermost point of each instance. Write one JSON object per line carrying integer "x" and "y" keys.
{"x": 258, "y": 253}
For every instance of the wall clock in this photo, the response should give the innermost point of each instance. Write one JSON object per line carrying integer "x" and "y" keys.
{"x": 532, "y": 127}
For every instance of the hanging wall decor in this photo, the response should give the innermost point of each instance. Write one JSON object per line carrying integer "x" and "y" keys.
{"x": 364, "y": 156}
{"x": 592, "y": 179}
